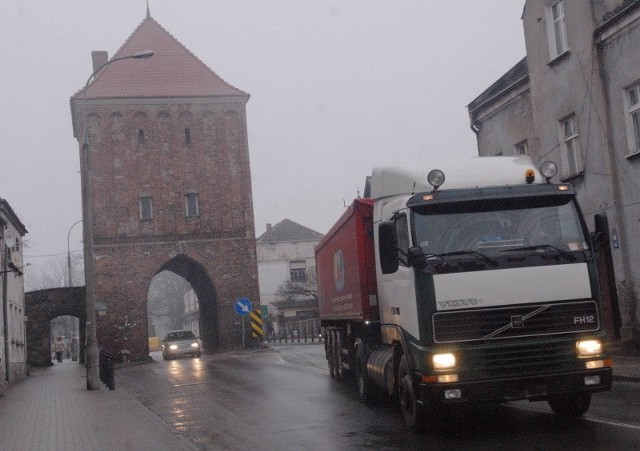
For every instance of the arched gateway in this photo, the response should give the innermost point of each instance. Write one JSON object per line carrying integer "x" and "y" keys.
{"x": 196, "y": 275}
{"x": 169, "y": 167}
{"x": 40, "y": 308}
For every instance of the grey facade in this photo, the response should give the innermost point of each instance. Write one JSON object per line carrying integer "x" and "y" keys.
{"x": 13, "y": 347}
{"x": 572, "y": 101}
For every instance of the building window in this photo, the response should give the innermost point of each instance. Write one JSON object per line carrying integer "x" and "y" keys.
{"x": 556, "y": 29}
{"x": 187, "y": 136}
{"x": 571, "y": 158}
{"x": 146, "y": 208}
{"x": 522, "y": 148}
{"x": 298, "y": 271}
{"x": 192, "y": 209}
{"x": 140, "y": 136}
{"x": 632, "y": 105}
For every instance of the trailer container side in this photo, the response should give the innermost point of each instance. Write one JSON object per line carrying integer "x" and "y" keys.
{"x": 345, "y": 267}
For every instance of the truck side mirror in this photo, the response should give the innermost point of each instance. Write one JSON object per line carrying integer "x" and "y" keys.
{"x": 388, "y": 247}
{"x": 416, "y": 257}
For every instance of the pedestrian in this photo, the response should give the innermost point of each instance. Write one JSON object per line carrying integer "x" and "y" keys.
{"x": 59, "y": 348}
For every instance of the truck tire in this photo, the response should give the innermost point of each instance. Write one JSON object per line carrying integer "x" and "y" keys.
{"x": 570, "y": 405}
{"x": 339, "y": 357}
{"x": 366, "y": 388}
{"x": 413, "y": 412}
{"x": 330, "y": 353}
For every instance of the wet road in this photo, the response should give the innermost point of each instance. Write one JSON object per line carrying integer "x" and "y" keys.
{"x": 283, "y": 398}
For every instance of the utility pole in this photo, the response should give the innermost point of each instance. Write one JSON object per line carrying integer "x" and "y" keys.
{"x": 93, "y": 379}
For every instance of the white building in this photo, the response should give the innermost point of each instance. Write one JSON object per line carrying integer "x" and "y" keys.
{"x": 13, "y": 348}
{"x": 575, "y": 99}
{"x": 191, "y": 315}
{"x": 285, "y": 252}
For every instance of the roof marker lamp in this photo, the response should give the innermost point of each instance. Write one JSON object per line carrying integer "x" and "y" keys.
{"x": 435, "y": 178}
{"x": 548, "y": 170}
{"x": 529, "y": 176}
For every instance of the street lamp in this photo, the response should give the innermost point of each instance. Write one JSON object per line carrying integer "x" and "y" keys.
{"x": 70, "y": 280}
{"x": 93, "y": 379}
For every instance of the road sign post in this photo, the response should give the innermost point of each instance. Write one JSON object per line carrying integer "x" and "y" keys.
{"x": 243, "y": 307}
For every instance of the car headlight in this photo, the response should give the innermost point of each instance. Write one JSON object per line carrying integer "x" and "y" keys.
{"x": 195, "y": 344}
{"x": 445, "y": 361}
{"x": 589, "y": 348}
{"x": 173, "y": 347}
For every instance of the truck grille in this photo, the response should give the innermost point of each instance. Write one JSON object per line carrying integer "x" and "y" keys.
{"x": 520, "y": 360}
{"x": 518, "y": 321}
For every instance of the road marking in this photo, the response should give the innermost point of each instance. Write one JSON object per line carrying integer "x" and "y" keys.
{"x": 189, "y": 383}
{"x": 283, "y": 362}
{"x": 613, "y": 423}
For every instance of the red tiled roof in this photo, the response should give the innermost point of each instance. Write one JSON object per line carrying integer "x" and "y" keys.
{"x": 173, "y": 71}
{"x": 287, "y": 231}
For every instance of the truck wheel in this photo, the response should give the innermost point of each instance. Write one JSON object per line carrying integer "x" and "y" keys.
{"x": 366, "y": 389}
{"x": 413, "y": 412}
{"x": 340, "y": 371}
{"x": 570, "y": 405}
{"x": 331, "y": 354}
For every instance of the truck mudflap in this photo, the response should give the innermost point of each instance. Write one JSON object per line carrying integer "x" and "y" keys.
{"x": 533, "y": 388}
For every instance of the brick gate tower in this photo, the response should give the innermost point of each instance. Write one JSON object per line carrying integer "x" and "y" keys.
{"x": 171, "y": 188}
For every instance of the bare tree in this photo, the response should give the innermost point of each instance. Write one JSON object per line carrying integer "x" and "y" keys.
{"x": 165, "y": 304}
{"x": 296, "y": 291}
{"x": 54, "y": 273}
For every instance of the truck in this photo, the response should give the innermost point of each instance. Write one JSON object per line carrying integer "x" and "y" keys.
{"x": 470, "y": 282}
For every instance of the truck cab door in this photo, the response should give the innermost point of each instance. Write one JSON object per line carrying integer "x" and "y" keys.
{"x": 396, "y": 289}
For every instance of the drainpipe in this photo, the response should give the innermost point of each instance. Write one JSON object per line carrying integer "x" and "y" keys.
{"x": 4, "y": 307}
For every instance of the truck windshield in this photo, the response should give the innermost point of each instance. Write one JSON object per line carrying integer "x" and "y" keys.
{"x": 494, "y": 226}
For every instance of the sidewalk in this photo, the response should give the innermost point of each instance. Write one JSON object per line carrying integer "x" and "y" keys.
{"x": 626, "y": 368}
{"x": 53, "y": 410}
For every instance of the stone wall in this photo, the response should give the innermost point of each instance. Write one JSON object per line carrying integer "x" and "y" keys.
{"x": 41, "y": 307}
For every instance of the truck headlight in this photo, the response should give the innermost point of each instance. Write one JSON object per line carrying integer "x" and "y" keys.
{"x": 173, "y": 347}
{"x": 195, "y": 344}
{"x": 589, "y": 348}
{"x": 445, "y": 361}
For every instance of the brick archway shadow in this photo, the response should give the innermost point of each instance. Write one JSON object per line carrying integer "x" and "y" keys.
{"x": 194, "y": 273}
{"x": 40, "y": 308}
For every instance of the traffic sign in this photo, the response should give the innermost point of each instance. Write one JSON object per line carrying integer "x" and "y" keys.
{"x": 243, "y": 306}
{"x": 257, "y": 329}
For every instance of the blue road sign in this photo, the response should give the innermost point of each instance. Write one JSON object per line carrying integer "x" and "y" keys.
{"x": 243, "y": 306}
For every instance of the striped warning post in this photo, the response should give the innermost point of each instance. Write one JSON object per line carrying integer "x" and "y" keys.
{"x": 257, "y": 326}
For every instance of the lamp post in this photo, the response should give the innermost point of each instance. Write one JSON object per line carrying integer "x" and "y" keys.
{"x": 93, "y": 379}
{"x": 70, "y": 280}
{"x": 74, "y": 338}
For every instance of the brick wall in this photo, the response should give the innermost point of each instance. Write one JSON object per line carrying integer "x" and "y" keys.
{"x": 166, "y": 150}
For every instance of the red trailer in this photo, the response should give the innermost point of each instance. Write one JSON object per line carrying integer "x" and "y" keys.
{"x": 347, "y": 292}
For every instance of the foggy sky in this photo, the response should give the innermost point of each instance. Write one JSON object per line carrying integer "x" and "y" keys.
{"x": 337, "y": 87}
